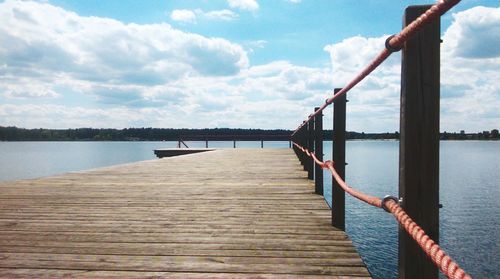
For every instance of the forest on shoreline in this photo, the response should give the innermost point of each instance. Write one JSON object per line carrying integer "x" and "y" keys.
{"x": 213, "y": 134}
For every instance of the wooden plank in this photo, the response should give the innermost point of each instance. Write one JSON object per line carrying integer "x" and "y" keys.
{"x": 153, "y": 249}
{"x": 168, "y": 237}
{"x": 144, "y": 248}
{"x": 85, "y": 274}
{"x": 234, "y": 213}
{"x": 184, "y": 264}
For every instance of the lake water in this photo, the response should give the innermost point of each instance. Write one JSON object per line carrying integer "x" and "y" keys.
{"x": 469, "y": 191}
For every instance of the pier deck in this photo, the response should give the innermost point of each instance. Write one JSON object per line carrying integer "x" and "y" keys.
{"x": 230, "y": 213}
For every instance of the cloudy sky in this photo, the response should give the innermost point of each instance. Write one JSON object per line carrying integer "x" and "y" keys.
{"x": 231, "y": 63}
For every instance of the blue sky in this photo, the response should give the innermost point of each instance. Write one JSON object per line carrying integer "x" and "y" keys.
{"x": 230, "y": 63}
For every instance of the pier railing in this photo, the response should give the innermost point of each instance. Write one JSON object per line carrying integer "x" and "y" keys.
{"x": 417, "y": 207}
{"x": 236, "y": 138}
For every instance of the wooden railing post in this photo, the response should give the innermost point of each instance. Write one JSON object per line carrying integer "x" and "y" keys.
{"x": 297, "y": 140}
{"x": 295, "y": 149}
{"x": 310, "y": 146}
{"x": 419, "y": 143}
{"x": 303, "y": 143}
{"x": 338, "y": 150}
{"x": 318, "y": 149}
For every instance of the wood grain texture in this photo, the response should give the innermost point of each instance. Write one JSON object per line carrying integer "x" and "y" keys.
{"x": 229, "y": 213}
{"x": 419, "y": 143}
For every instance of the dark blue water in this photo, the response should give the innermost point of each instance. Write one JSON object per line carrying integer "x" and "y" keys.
{"x": 470, "y": 190}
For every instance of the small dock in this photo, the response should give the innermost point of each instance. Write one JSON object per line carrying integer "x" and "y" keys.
{"x": 227, "y": 213}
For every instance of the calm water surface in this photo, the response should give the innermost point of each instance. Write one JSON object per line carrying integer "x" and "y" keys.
{"x": 470, "y": 190}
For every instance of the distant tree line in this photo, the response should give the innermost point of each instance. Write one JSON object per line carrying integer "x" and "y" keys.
{"x": 485, "y": 135}
{"x": 133, "y": 134}
{"x": 170, "y": 134}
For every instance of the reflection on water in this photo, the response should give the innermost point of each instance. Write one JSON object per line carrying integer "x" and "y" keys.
{"x": 469, "y": 182}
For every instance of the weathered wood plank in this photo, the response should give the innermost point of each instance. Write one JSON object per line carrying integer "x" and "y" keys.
{"x": 59, "y": 273}
{"x": 184, "y": 264}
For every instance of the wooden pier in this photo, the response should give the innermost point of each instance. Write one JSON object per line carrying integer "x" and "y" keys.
{"x": 229, "y": 213}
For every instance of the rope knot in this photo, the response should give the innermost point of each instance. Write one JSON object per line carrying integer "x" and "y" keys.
{"x": 327, "y": 164}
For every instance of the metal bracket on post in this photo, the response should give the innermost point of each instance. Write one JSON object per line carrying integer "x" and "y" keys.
{"x": 339, "y": 136}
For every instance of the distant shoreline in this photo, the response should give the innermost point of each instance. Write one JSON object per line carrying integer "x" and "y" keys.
{"x": 215, "y": 134}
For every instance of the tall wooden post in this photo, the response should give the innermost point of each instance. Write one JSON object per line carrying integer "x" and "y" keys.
{"x": 206, "y": 143}
{"x": 310, "y": 146}
{"x": 234, "y": 144}
{"x": 419, "y": 143}
{"x": 338, "y": 195}
{"x": 262, "y": 144}
{"x": 318, "y": 149}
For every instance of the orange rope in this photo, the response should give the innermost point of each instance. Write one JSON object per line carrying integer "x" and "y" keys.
{"x": 445, "y": 263}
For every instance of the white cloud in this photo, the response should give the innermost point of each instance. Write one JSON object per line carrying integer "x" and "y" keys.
{"x": 249, "y": 99}
{"x": 253, "y": 45}
{"x": 191, "y": 16}
{"x": 29, "y": 91}
{"x": 57, "y": 116}
{"x": 247, "y": 5}
{"x": 122, "y": 75}
{"x": 47, "y": 38}
{"x": 183, "y": 16}
{"x": 469, "y": 71}
{"x": 225, "y": 15}
{"x": 294, "y": 1}
{"x": 475, "y": 33}
{"x": 283, "y": 80}
{"x": 258, "y": 43}
{"x": 47, "y": 46}
{"x": 469, "y": 76}
{"x": 374, "y": 103}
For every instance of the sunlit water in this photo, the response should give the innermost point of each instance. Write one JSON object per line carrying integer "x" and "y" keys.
{"x": 469, "y": 190}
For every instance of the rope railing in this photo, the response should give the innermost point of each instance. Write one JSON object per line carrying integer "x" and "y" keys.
{"x": 393, "y": 43}
{"x": 418, "y": 93}
{"x": 391, "y": 204}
